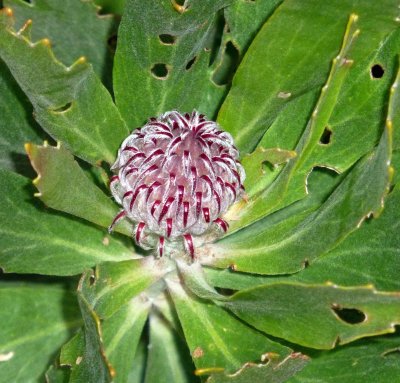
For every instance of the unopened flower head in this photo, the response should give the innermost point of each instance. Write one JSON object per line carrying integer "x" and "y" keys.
{"x": 175, "y": 177}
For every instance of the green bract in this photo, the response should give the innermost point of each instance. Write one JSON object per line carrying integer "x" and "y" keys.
{"x": 303, "y": 287}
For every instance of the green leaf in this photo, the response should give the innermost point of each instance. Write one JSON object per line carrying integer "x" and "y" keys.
{"x": 245, "y": 18}
{"x": 70, "y": 103}
{"x": 165, "y": 37}
{"x": 271, "y": 370}
{"x": 64, "y": 186}
{"x": 194, "y": 279}
{"x": 375, "y": 360}
{"x": 121, "y": 335}
{"x": 34, "y": 317}
{"x": 88, "y": 32}
{"x": 291, "y": 184}
{"x": 16, "y": 125}
{"x": 169, "y": 359}
{"x": 139, "y": 364}
{"x": 293, "y": 243}
{"x": 296, "y": 60}
{"x": 317, "y": 316}
{"x": 256, "y": 177}
{"x": 38, "y": 241}
{"x": 71, "y": 352}
{"x": 114, "y": 284}
{"x": 369, "y": 255}
{"x": 116, "y": 338}
{"x": 217, "y": 340}
{"x": 92, "y": 366}
{"x": 57, "y": 375}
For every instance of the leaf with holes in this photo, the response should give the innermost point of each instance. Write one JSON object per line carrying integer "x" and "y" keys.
{"x": 70, "y": 103}
{"x": 358, "y": 260}
{"x": 164, "y": 51}
{"x": 317, "y": 316}
{"x": 335, "y": 97}
{"x": 52, "y": 18}
{"x": 306, "y": 258}
{"x": 289, "y": 245}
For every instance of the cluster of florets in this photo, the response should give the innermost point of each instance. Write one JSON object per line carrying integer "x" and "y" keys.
{"x": 176, "y": 176}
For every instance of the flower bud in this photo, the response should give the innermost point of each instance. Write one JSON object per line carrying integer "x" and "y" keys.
{"x": 176, "y": 176}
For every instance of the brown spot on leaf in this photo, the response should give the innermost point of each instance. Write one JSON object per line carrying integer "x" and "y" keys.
{"x": 197, "y": 353}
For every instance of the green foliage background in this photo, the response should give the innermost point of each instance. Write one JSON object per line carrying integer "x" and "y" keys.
{"x": 303, "y": 288}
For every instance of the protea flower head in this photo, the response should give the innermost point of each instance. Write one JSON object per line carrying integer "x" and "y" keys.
{"x": 176, "y": 176}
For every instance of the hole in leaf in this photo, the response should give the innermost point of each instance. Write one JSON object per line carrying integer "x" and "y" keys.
{"x": 167, "y": 39}
{"x": 377, "y": 71}
{"x": 190, "y": 63}
{"x": 63, "y": 108}
{"x": 349, "y": 315}
{"x": 160, "y": 71}
{"x": 112, "y": 42}
{"x": 213, "y": 44}
{"x": 326, "y": 136}
{"x": 225, "y": 292}
{"x": 224, "y": 74}
{"x": 92, "y": 280}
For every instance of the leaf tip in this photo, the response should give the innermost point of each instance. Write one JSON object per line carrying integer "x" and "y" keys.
{"x": 7, "y": 11}
{"x": 46, "y": 42}
{"x": 28, "y": 148}
{"x": 208, "y": 371}
{"x": 353, "y": 17}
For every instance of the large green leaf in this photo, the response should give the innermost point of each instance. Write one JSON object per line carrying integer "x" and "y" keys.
{"x": 16, "y": 125}
{"x": 245, "y": 18}
{"x": 370, "y": 255}
{"x": 35, "y": 240}
{"x": 64, "y": 186}
{"x": 88, "y": 32}
{"x": 295, "y": 61}
{"x": 70, "y": 103}
{"x": 292, "y": 243}
{"x": 114, "y": 284}
{"x": 121, "y": 335}
{"x": 92, "y": 366}
{"x": 34, "y": 317}
{"x": 217, "y": 340}
{"x": 318, "y": 316}
{"x": 169, "y": 359}
{"x": 106, "y": 348}
{"x": 375, "y": 360}
{"x": 290, "y": 185}
{"x": 160, "y": 37}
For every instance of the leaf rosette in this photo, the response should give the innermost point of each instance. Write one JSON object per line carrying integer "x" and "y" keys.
{"x": 309, "y": 261}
